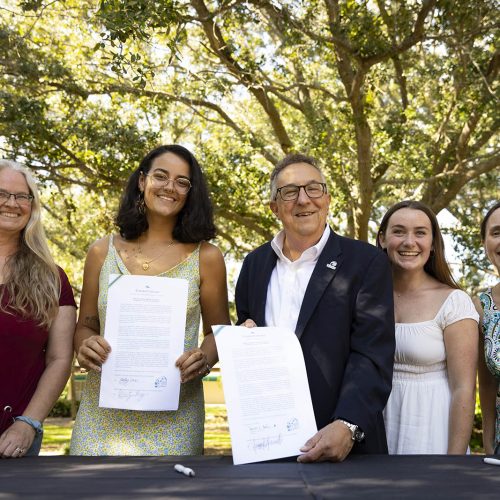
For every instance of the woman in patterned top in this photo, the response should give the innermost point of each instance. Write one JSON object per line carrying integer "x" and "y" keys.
{"x": 489, "y": 338}
{"x": 164, "y": 220}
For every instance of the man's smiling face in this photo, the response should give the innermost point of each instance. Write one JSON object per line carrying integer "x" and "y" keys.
{"x": 303, "y": 218}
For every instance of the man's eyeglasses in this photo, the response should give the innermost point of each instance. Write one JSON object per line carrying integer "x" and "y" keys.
{"x": 159, "y": 179}
{"x": 291, "y": 191}
{"x": 22, "y": 199}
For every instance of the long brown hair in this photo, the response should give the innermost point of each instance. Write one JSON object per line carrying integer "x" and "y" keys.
{"x": 32, "y": 280}
{"x": 436, "y": 265}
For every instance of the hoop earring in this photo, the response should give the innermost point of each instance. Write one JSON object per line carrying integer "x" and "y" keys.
{"x": 140, "y": 204}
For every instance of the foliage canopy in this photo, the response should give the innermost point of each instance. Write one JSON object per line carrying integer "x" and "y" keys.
{"x": 397, "y": 99}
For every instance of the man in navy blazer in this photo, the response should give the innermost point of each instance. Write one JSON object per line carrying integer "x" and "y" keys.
{"x": 336, "y": 294}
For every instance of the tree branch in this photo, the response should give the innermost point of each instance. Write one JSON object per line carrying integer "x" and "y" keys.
{"x": 223, "y": 51}
{"x": 193, "y": 102}
{"x": 243, "y": 220}
{"x": 416, "y": 36}
{"x": 447, "y": 193}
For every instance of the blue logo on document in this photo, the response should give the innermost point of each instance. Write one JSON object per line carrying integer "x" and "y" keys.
{"x": 161, "y": 381}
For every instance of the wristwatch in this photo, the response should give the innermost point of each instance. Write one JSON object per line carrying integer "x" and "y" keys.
{"x": 357, "y": 434}
{"x": 30, "y": 421}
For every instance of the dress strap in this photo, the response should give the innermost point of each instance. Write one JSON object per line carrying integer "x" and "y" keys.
{"x": 114, "y": 255}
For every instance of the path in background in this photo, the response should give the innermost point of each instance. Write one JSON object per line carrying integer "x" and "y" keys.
{"x": 217, "y": 442}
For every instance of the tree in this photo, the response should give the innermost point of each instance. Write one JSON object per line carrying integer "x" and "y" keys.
{"x": 397, "y": 98}
{"x": 391, "y": 80}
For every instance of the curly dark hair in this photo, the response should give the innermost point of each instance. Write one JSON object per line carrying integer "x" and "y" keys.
{"x": 194, "y": 222}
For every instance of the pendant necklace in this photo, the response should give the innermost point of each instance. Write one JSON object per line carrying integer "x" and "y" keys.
{"x": 145, "y": 264}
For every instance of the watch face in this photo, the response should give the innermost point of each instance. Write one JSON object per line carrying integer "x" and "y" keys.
{"x": 358, "y": 435}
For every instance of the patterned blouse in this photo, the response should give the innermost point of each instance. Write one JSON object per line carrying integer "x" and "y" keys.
{"x": 491, "y": 332}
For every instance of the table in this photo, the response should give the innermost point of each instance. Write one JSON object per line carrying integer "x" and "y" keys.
{"x": 360, "y": 476}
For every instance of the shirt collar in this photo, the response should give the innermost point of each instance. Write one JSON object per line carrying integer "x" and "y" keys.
{"x": 312, "y": 253}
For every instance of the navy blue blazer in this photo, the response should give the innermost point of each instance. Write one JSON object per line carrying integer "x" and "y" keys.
{"x": 345, "y": 328}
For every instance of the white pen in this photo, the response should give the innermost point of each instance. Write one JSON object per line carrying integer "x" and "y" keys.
{"x": 492, "y": 461}
{"x": 184, "y": 470}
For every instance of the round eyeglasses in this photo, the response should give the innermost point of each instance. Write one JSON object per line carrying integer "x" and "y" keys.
{"x": 291, "y": 191}
{"x": 22, "y": 199}
{"x": 182, "y": 185}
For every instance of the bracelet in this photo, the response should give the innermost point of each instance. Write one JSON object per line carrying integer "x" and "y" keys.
{"x": 207, "y": 370}
{"x": 37, "y": 426}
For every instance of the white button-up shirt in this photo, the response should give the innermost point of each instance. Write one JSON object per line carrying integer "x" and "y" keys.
{"x": 289, "y": 281}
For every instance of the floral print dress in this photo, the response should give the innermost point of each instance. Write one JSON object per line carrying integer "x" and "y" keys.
{"x": 109, "y": 431}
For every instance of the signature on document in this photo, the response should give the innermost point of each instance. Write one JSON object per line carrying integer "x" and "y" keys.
{"x": 264, "y": 443}
{"x": 128, "y": 395}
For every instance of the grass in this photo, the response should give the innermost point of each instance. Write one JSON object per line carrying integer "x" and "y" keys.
{"x": 217, "y": 442}
{"x": 56, "y": 436}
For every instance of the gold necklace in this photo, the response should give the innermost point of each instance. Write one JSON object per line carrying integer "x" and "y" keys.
{"x": 145, "y": 264}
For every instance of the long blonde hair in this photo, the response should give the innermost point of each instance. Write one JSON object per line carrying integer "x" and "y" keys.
{"x": 32, "y": 280}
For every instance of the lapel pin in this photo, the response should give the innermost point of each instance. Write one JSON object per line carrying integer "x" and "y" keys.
{"x": 332, "y": 265}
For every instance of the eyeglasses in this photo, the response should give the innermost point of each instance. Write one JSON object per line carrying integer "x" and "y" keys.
{"x": 182, "y": 185}
{"x": 291, "y": 192}
{"x": 22, "y": 199}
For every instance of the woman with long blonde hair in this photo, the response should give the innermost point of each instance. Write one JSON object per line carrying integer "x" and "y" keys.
{"x": 37, "y": 317}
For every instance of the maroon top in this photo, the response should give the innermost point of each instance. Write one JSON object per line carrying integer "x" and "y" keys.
{"x": 22, "y": 356}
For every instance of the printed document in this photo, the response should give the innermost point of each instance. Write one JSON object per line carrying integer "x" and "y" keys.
{"x": 267, "y": 395}
{"x": 145, "y": 326}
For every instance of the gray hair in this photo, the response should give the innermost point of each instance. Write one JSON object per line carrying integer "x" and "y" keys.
{"x": 288, "y": 160}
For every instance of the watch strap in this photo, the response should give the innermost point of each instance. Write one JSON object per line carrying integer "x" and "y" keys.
{"x": 357, "y": 434}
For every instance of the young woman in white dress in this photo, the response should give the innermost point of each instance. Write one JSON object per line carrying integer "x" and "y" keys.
{"x": 431, "y": 406}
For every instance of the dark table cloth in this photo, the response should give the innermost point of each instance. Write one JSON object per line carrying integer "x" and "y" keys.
{"x": 362, "y": 476}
